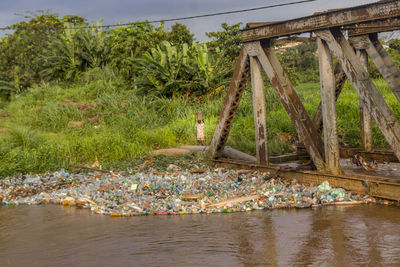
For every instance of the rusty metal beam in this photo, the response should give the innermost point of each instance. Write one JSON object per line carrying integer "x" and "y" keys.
{"x": 328, "y": 88}
{"x": 290, "y": 100}
{"x": 259, "y": 111}
{"x": 380, "y": 187}
{"x": 228, "y": 112}
{"x": 370, "y": 96}
{"x": 343, "y": 17}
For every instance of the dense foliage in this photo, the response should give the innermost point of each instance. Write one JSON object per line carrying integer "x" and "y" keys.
{"x": 168, "y": 70}
{"x": 151, "y": 59}
{"x": 21, "y": 50}
{"x": 116, "y": 94}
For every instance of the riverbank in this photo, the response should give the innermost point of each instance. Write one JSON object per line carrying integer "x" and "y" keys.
{"x": 173, "y": 190}
{"x": 51, "y": 127}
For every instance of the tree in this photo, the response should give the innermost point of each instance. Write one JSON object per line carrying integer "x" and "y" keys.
{"x": 21, "y": 49}
{"x": 73, "y": 52}
{"x": 169, "y": 70}
{"x": 138, "y": 38}
{"x": 180, "y": 34}
{"x": 228, "y": 39}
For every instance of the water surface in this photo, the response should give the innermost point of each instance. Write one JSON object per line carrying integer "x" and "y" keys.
{"x": 366, "y": 235}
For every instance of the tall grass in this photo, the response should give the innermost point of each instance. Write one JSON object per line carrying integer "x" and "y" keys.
{"x": 34, "y": 135}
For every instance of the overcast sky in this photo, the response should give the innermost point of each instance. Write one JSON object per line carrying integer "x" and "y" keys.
{"x": 115, "y": 11}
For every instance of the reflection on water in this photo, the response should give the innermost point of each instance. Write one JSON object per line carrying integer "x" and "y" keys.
{"x": 329, "y": 236}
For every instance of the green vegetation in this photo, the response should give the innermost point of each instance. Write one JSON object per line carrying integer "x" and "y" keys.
{"x": 116, "y": 95}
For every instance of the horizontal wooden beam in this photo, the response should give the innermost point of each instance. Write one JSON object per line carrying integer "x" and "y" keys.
{"x": 373, "y": 101}
{"x": 375, "y": 186}
{"x": 385, "y": 25}
{"x": 343, "y": 17}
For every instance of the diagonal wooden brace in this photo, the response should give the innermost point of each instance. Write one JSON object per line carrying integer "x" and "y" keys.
{"x": 384, "y": 64}
{"x": 369, "y": 95}
{"x": 290, "y": 100}
{"x": 235, "y": 92}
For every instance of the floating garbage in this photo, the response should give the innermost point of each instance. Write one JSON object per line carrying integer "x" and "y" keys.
{"x": 174, "y": 192}
{"x": 324, "y": 186}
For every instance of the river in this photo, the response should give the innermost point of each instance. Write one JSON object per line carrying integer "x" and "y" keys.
{"x": 367, "y": 235}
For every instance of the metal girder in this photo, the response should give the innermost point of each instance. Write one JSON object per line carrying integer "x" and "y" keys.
{"x": 343, "y": 17}
{"x": 290, "y": 100}
{"x": 369, "y": 95}
{"x": 235, "y": 92}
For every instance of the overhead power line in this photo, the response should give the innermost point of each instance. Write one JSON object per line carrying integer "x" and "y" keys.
{"x": 191, "y": 17}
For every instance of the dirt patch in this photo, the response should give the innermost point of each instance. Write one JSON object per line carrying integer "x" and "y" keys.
{"x": 82, "y": 107}
{"x": 75, "y": 124}
{"x": 171, "y": 151}
{"x": 95, "y": 119}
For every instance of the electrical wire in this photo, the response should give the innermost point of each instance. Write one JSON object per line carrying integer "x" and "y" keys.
{"x": 189, "y": 17}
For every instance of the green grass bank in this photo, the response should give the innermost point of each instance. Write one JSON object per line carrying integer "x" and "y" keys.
{"x": 118, "y": 126}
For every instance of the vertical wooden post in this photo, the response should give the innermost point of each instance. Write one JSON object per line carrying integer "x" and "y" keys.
{"x": 366, "y": 89}
{"x": 257, "y": 85}
{"x": 340, "y": 79}
{"x": 328, "y": 88}
{"x": 290, "y": 101}
{"x": 365, "y": 116}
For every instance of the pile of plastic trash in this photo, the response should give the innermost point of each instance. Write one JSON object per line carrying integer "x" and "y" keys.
{"x": 174, "y": 191}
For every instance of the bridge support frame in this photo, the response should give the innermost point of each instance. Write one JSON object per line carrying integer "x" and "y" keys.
{"x": 257, "y": 54}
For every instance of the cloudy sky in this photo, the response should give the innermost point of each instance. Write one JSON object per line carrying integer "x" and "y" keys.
{"x": 116, "y": 11}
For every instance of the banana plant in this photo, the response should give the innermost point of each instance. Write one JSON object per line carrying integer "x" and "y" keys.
{"x": 161, "y": 69}
{"x": 73, "y": 52}
{"x": 170, "y": 71}
{"x": 62, "y": 58}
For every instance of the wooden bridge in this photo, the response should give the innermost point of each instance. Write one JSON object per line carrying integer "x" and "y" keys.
{"x": 351, "y": 35}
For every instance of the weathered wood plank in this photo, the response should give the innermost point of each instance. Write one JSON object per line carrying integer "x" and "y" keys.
{"x": 260, "y": 125}
{"x": 340, "y": 79}
{"x": 370, "y": 96}
{"x": 294, "y": 98}
{"x": 384, "y": 25}
{"x": 348, "y": 16}
{"x": 284, "y": 89}
{"x": 365, "y": 117}
{"x": 384, "y": 64}
{"x": 228, "y": 112}
{"x": 328, "y": 88}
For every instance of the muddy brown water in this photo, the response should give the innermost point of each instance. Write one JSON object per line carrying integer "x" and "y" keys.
{"x": 367, "y": 235}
